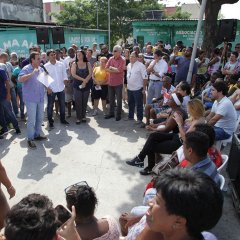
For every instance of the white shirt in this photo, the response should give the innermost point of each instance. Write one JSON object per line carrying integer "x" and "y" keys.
{"x": 161, "y": 67}
{"x": 226, "y": 109}
{"x": 68, "y": 60}
{"x": 58, "y": 72}
{"x": 95, "y": 53}
{"x": 136, "y": 73}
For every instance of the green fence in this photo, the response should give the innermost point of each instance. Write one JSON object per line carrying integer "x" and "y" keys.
{"x": 19, "y": 39}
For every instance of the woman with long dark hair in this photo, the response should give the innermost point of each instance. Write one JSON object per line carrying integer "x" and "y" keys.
{"x": 81, "y": 72}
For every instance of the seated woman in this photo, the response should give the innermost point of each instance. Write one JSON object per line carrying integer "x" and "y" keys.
{"x": 159, "y": 141}
{"x": 174, "y": 212}
{"x": 88, "y": 226}
{"x": 167, "y": 143}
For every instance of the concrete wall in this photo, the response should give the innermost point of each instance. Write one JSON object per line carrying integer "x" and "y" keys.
{"x": 22, "y": 10}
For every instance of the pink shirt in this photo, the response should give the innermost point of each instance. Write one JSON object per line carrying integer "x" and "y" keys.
{"x": 116, "y": 79}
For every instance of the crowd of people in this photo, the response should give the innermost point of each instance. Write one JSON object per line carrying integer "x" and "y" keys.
{"x": 183, "y": 119}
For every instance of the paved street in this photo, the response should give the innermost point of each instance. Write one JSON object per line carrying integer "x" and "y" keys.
{"x": 94, "y": 152}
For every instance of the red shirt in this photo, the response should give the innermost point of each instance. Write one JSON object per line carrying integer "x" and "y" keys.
{"x": 116, "y": 79}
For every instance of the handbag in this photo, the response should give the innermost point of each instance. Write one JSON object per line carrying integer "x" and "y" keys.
{"x": 166, "y": 164}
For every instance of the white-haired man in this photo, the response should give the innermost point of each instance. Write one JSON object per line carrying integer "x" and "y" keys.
{"x": 115, "y": 66}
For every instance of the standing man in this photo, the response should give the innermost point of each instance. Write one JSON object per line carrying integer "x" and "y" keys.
{"x": 115, "y": 66}
{"x": 183, "y": 63}
{"x": 223, "y": 115}
{"x": 157, "y": 68}
{"x": 137, "y": 82}
{"x": 148, "y": 56}
{"x": 8, "y": 68}
{"x": 6, "y": 112}
{"x": 105, "y": 52}
{"x": 57, "y": 71}
{"x": 33, "y": 95}
{"x": 95, "y": 51}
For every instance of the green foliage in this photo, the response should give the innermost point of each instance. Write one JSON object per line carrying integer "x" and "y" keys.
{"x": 179, "y": 14}
{"x": 83, "y": 14}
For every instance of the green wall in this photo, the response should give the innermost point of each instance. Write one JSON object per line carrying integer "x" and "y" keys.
{"x": 169, "y": 31}
{"x": 19, "y": 39}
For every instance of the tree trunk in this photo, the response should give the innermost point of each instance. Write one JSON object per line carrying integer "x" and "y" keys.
{"x": 213, "y": 7}
{"x": 211, "y": 26}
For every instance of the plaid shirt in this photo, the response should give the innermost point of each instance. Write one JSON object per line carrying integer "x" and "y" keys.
{"x": 208, "y": 167}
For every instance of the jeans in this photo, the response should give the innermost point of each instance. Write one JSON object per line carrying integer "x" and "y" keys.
{"x": 35, "y": 113}
{"x": 20, "y": 95}
{"x": 112, "y": 92}
{"x": 135, "y": 98}
{"x": 81, "y": 100}
{"x": 14, "y": 100}
{"x": 61, "y": 99}
{"x": 7, "y": 115}
{"x": 154, "y": 90}
{"x": 220, "y": 134}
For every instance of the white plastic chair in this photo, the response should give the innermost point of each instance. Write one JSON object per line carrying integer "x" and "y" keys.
{"x": 222, "y": 181}
{"x": 224, "y": 162}
{"x": 219, "y": 144}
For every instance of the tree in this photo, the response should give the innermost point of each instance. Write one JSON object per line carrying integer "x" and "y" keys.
{"x": 82, "y": 13}
{"x": 179, "y": 14}
{"x": 210, "y": 40}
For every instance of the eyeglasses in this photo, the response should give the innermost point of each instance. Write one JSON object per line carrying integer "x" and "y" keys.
{"x": 74, "y": 187}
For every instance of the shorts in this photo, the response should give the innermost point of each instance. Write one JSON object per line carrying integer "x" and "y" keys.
{"x": 97, "y": 94}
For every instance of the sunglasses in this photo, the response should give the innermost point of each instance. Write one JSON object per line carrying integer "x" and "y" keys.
{"x": 74, "y": 187}
{"x": 115, "y": 50}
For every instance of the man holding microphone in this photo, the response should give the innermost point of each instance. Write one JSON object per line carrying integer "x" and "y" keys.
{"x": 33, "y": 96}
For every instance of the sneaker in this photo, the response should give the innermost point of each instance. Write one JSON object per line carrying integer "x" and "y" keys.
{"x": 118, "y": 118}
{"x": 95, "y": 112}
{"x": 32, "y": 145}
{"x": 3, "y": 132}
{"x": 64, "y": 122}
{"x": 146, "y": 171}
{"x": 136, "y": 162}
{"x": 40, "y": 138}
{"x": 84, "y": 120}
{"x": 109, "y": 116}
{"x": 51, "y": 126}
{"x": 18, "y": 131}
{"x": 139, "y": 122}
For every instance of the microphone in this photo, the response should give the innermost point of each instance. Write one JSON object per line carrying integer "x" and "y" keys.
{"x": 44, "y": 69}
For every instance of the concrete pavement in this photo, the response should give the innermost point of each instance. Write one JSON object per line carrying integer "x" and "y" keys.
{"x": 94, "y": 152}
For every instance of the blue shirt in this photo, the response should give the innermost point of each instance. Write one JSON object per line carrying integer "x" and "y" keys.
{"x": 33, "y": 90}
{"x": 3, "y": 90}
{"x": 182, "y": 68}
{"x": 208, "y": 167}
